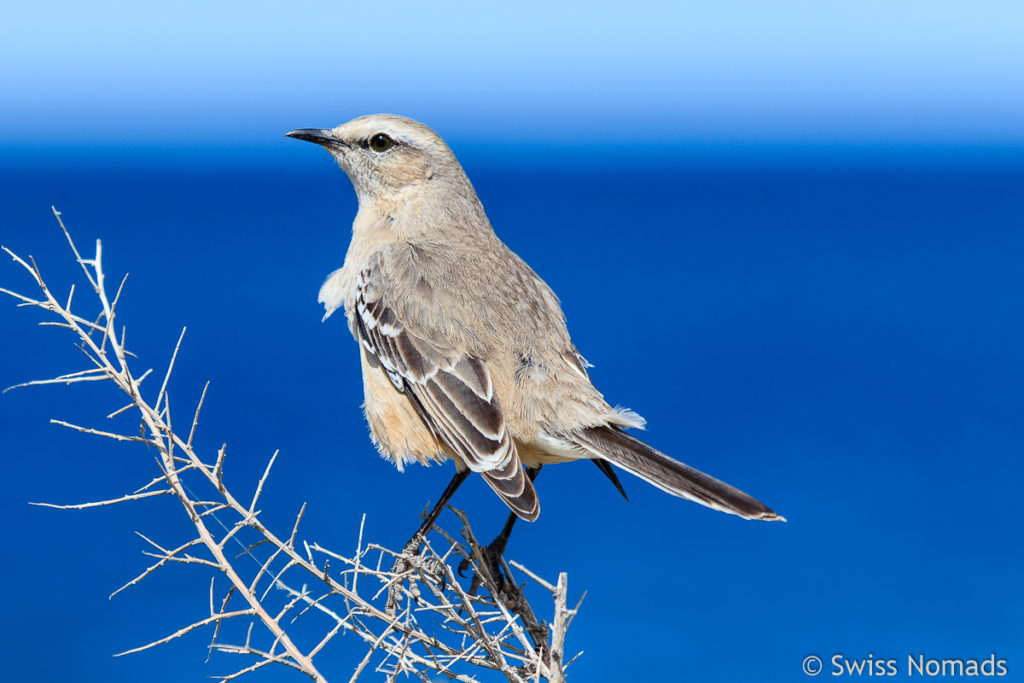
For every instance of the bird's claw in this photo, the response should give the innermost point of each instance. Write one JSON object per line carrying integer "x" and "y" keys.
{"x": 398, "y": 570}
{"x": 489, "y": 572}
{"x": 405, "y": 568}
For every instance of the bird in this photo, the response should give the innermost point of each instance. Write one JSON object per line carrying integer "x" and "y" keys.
{"x": 464, "y": 349}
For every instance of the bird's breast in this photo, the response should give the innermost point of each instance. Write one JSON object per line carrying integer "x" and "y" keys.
{"x": 395, "y": 427}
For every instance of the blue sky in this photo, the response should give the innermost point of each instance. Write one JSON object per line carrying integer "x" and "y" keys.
{"x": 735, "y": 72}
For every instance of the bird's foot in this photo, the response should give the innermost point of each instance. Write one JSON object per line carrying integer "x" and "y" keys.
{"x": 492, "y": 573}
{"x": 489, "y": 572}
{"x": 409, "y": 566}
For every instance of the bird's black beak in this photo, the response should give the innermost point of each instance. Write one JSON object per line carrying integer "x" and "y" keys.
{"x": 316, "y": 135}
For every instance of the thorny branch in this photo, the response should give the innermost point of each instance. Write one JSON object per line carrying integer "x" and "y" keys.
{"x": 440, "y": 627}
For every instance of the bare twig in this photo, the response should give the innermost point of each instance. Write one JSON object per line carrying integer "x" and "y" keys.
{"x": 442, "y": 627}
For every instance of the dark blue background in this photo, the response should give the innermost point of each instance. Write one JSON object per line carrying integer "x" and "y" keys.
{"x": 836, "y": 330}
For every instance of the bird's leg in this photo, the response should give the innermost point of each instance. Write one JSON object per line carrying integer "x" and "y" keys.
{"x": 494, "y": 550}
{"x": 412, "y": 548}
{"x": 417, "y": 538}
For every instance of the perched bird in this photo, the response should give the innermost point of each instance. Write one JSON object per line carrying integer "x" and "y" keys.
{"x": 464, "y": 349}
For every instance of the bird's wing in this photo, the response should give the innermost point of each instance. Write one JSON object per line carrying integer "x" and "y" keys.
{"x": 452, "y": 392}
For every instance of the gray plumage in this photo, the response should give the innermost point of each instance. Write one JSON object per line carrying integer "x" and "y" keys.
{"x": 464, "y": 349}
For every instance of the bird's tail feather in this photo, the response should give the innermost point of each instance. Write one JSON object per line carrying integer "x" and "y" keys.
{"x": 672, "y": 476}
{"x": 514, "y": 487}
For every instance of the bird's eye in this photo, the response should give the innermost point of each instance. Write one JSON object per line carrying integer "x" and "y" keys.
{"x": 381, "y": 142}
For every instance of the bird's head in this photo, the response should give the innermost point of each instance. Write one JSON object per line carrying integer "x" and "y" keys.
{"x": 385, "y": 155}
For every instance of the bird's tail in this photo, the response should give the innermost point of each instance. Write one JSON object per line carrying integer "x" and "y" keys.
{"x": 672, "y": 476}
